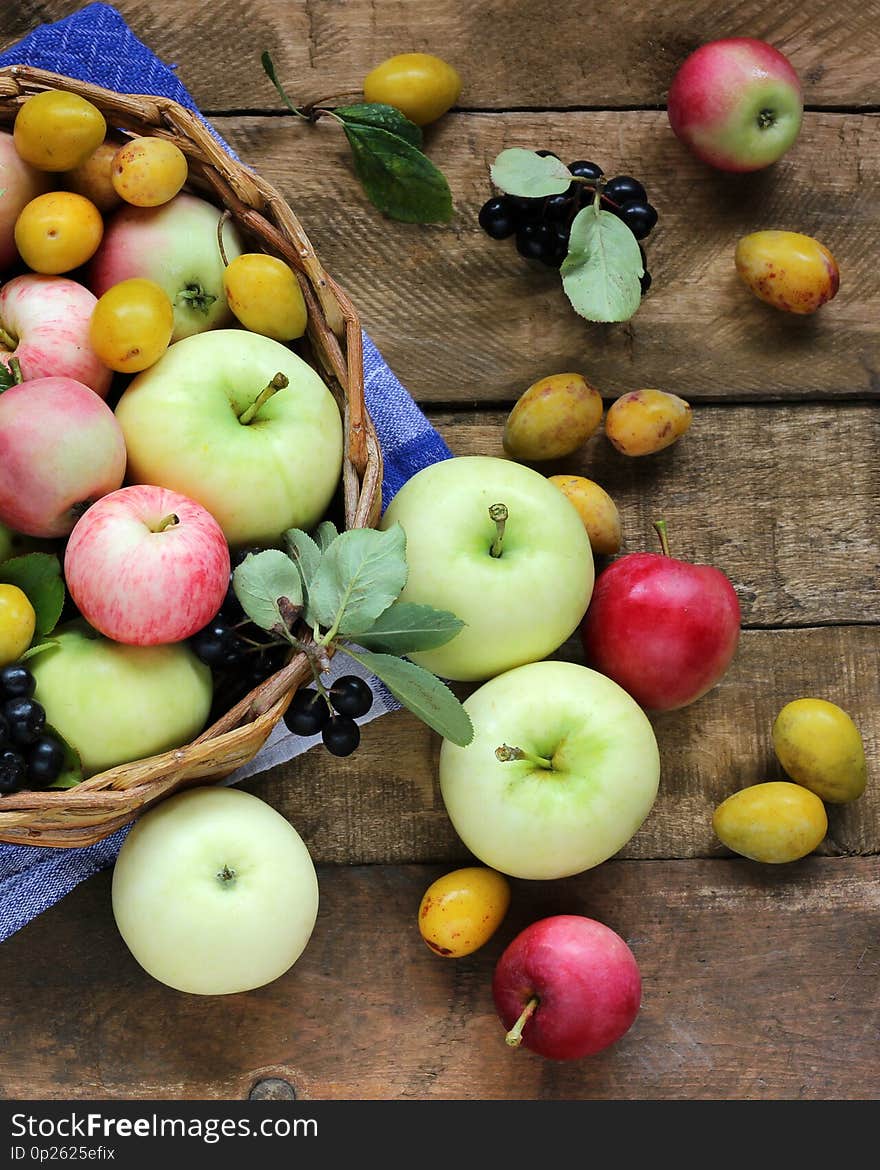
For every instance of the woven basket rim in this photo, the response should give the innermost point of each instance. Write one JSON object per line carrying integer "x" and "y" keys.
{"x": 104, "y": 802}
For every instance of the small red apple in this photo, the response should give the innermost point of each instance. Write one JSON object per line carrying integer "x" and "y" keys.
{"x": 60, "y": 449}
{"x": 567, "y": 987}
{"x": 737, "y": 103}
{"x": 664, "y": 630}
{"x": 20, "y": 183}
{"x": 146, "y": 566}
{"x": 44, "y": 323}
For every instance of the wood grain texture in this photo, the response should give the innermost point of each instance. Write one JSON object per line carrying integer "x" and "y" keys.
{"x": 508, "y": 52}
{"x": 383, "y": 804}
{"x": 748, "y": 972}
{"x": 786, "y": 502}
{"x": 462, "y": 318}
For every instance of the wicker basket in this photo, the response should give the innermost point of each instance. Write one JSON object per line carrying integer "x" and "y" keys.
{"x": 104, "y": 802}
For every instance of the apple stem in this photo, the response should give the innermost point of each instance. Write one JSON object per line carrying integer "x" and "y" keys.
{"x": 168, "y": 522}
{"x": 7, "y": 340}
{"x": 221, "y": 223}
{"x": 514, "y": 1037}
{"x": 506, "y": 754}
{"x": 659, "y": 527}
{"x": 250, "y": 412}
{"x": 498, "y": 513}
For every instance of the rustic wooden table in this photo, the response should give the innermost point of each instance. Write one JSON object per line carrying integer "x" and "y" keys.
{"x": 758, "y": 982}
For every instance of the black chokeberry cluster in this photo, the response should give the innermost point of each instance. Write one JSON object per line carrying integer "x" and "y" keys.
{"x": 239, "y": 653}
{"x": 333, "y": 713}
{"x": 30, "y": 757}
{"x": 542, "y": 226}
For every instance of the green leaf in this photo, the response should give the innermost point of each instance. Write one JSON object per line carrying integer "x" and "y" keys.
{"x": 38, "y": 648}
{"x": 601, "y": 272}
{"x": 38, "y": 576}
{"x": 269, "y": 588}
{"x": 360, "y": 574}
{"x": 385, "y": 117}
{"x": 398, "y": 179}
{"x": 406, "y": 627}
{"x": 71, "y": 772}
{"x": 529, "y": 175}
{"x": 306, "y": 555}
{"x": 269, "y": 69}
{"x": 420, "y": 691}
{"x": 325, "y": 534}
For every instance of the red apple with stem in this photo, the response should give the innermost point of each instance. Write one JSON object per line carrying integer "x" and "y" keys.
{"x": 146, "y": 566}
{"x": 737, "y": 103}
{"x": 60, "y": 449}
{"x": 665, "y": 630}
{"x": 567, "y": 987}
{"x": 44, "y": 323}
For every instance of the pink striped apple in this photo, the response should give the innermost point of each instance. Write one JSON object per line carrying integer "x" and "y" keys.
{"x": 44, "y": 323}
{"x": 147, "y": 566}
{"x": 20, "y": 183}
{"x": 61, "y": 448}
{"x": 736, "y": 103}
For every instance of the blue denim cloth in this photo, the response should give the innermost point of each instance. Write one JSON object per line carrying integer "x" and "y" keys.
{"x": 96, "y": 45}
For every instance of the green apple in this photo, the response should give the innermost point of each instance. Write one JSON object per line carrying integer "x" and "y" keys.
{"x": 192, "y": 423}
{"x": 561, "y": 772}
{"x": 520, "y": 596}
{"x": 214, "y": 892}
{"x": 118, "y": 703}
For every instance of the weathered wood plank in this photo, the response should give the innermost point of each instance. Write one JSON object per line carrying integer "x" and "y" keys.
{"x": 462, "y": 318}
{"x": 383, "y": 804}
{"x": 508, "y": 52}
{"x": 747, "y": 971}
{"x": 785, "y": 502}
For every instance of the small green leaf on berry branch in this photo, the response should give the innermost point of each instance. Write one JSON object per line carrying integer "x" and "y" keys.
{"x": 304, "y": 553}
{"x": 269, "y": 589}
{"x": 421, "y": 692}
{"x": 406, "y": 627}
{"x": 325, "y": 534}
{"x": 601, "y": 272}
{"x": 38, "y": 576}
{"x": 385, "y": 117}
{"x": 360, "y": 575}
{"x": 398, "y": 179}
{"x": 36, "y": 648}
{"x": 529, "y": 175}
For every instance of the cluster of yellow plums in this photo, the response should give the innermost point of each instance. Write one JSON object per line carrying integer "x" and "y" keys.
{"x": 63, "y": 133}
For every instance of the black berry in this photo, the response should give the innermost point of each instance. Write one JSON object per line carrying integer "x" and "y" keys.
{"x": 639, "y": 217}
{"x": 525, "y": 210}
{"x": 217, "y": 645}
{"x": 536, "y": 241}
{"x": 308, "y": 712}
{"x": 16, "y": 682}
{"x": 12, "y": 771}
{"x": 625, "y": 189}
{"x": 351, "y": 696}
{"x": 341, "y": 735}
{"x": 26, "y": 719}
{"x": 231, "y": 609}
{"x": 586, "y": 170}
{"x": 558, "y": 208}
{"x": 547, "y": 153}
{"x": 497, "y": 218}
{"x": 4, "y": 730}
{"x": 236, "y": 556}
{"x": 645, "y": 281}
{"x": 45, "y": 761}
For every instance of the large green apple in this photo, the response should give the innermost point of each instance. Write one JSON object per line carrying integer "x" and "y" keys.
{"x": 214, "y": 892}
{"x": 118, "y": 703}
{"x": 189, "y": 426}
{"x": 582, "y": 778}
{"x": 519, "y": 600}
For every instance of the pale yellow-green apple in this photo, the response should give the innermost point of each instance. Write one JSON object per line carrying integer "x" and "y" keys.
{"x": 118, "y": 703}
{"x": 20, "y": 183}
{"x": 44, "y": 324}
{"x": 561, "y": 772}
{"x": 61, "y": 448}
{"x": 176, "y": 246}
{"x": 199, "y": 423}
{"x": 146, "y": 566}
{"x": 214, "y": 892}
{"x": 520, "y": 585}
